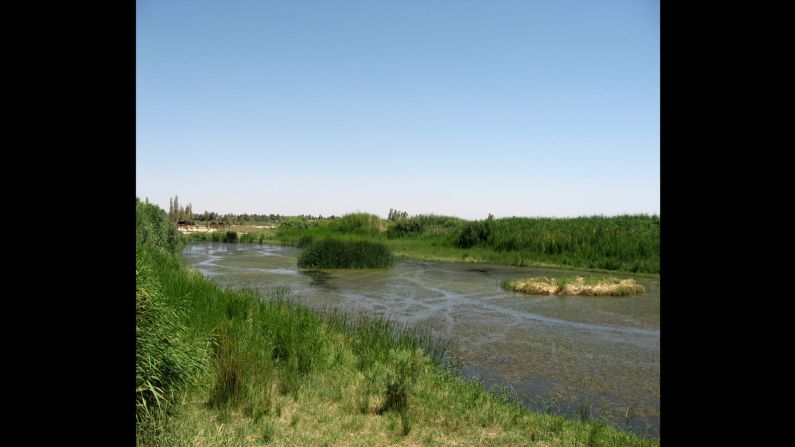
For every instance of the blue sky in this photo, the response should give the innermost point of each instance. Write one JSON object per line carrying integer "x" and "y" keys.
{"x": 525, "y": 108}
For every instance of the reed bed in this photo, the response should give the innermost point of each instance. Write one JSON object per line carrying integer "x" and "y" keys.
{"x": 345, "y": 254}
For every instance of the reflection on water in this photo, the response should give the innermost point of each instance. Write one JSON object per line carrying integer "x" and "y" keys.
{"x": 319, "y": 279}
{"x": 563, "y": 354}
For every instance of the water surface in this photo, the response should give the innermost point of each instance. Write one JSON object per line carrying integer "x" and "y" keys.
{"x": 599, "y": 355}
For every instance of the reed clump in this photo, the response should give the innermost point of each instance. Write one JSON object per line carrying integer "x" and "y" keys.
{"x": 345, "y": 254}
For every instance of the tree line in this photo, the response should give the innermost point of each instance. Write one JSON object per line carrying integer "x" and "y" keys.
{"x": 184, "y": 215}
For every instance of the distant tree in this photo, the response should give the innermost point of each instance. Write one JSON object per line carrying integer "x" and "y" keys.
{"x": 395, "y": 215}
{"x": 176, "y": 208}
{"x": 171, "y": 208}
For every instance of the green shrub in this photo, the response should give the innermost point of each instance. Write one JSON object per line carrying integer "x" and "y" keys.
{"x": 153, "y": 228}
{"x": 361, "y": 223}
{"x": 474, "y": 233}
{"x": 298, "y": 223}
{"x": 305, "y": 241}
{"x": 166, "y": 358}
{"x": 423, "y": 225}
{"x": 336, "y": 254}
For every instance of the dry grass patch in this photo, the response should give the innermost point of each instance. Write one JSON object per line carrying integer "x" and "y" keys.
{"x": 594, "y": 286}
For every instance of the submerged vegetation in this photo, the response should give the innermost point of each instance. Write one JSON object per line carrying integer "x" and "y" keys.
{"x": 342, "y": 254}
{"x": 592, "y": 286}
{"x": 238, "y": 367}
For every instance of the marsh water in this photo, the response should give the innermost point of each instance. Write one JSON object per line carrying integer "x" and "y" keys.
{"x": 598, "y": 356}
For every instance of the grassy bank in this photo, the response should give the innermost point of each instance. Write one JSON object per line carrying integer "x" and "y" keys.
{"x": 623, "y": 243}
{"x": 231, "y": 367}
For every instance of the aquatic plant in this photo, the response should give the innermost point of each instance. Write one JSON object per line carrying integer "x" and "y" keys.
{"x": 335, "y": 254}
{"x": 305, "y": 241}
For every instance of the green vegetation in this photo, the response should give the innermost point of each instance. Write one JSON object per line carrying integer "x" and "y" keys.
{"x": 424, "y": 226}
{"x": 222, "y": 236}
{"x": 305, "y": 241}
{"x": 629, "y": 243}
{"x": 184, "y": 215}
{"x": 356, "y": 223}
{"x": 571, "y": 285}
{"x": 152, "y": 228}
{"x": 167, "y": 358}
{"x": 232, "y": 367}
{"x": 621, "y": 243}
{"x": 180, "y": 214}
{"x": 342, "y": 254}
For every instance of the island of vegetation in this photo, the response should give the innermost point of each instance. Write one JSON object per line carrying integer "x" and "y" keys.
{"x": 236, "y": 367}
{"x": 575, "y": 285}
{"x": 342, "y": 254}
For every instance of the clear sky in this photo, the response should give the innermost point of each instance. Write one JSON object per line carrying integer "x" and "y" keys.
{"x": 525, "y": 108}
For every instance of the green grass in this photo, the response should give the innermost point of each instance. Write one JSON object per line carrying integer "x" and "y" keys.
{"x": 153, "y": 228}
{"x": 245, "y": 368}
{"x": 221, "y": 236}
{"x": 344, "y": 254}
{"x": 167, "y": 359}
{"x": 358, "y": 223}
{"x": 622, "y": 243}
{"x": 279, "y": 371}
{"x": 604, "y": 244}
{"x": 305, "y": 241}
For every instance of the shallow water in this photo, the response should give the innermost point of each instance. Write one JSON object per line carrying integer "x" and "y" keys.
{"x": 571, "y": 355}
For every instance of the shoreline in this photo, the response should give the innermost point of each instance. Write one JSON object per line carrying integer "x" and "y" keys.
{"x": 472, "y": 260}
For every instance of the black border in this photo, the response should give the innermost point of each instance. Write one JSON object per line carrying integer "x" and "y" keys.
{"x": 79, "y": 94}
